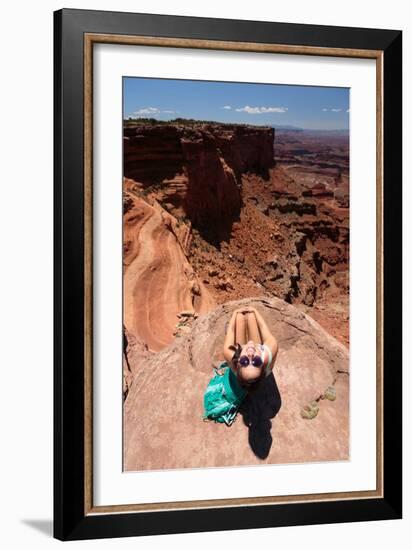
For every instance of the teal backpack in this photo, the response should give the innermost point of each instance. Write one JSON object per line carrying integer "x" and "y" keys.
{"x": 223, "y": 396}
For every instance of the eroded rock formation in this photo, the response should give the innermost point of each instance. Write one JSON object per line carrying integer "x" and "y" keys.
{"x": 159, "y": 281}
{"x": 196, "y": 170}
{"x": 289, "y": 241}
{"x": 245, "y": 225}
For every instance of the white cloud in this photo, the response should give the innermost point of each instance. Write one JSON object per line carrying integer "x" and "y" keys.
{"x": 261, "y": 110}
{"x": 147, "y": 111}
{"x": 228, "y": 107}
{"x": 151, "y": 111}
{"x": 334, "y": 110}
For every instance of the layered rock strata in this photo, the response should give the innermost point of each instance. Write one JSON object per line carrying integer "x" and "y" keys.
{"x": 196, "y": 170}
{"x": 158, "y": 279}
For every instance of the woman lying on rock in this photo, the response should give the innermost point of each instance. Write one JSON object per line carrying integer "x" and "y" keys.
{"x": 249, "y": 348}
{"x": 250, "y": 352}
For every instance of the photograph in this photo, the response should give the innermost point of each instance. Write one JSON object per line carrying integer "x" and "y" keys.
{"x": 236, "y": 270}
{"x": 227, "y": 273}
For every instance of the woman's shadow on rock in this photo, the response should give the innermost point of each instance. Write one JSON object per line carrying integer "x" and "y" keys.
{"x": 257, "y": 410}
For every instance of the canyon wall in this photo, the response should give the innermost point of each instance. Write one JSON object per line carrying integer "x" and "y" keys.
{"x": 158, "y": 280}
{"x": 197, "y": 170}
{"x": 243, "y": 224}
{"x": 179, "y": 181}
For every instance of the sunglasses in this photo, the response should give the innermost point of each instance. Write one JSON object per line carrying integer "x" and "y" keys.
{"x": 244, "y": 361}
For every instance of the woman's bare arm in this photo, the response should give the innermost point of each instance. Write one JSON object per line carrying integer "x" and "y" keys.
{"x": 264, "y": 329}
{"x": 230, "y": 337}
{"x": 267, "y": 337}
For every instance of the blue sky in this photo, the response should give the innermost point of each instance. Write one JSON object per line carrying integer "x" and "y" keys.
{"x": 309, "y": 107}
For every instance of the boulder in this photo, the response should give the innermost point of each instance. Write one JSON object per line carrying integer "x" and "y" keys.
{"x": 163, "y": 425}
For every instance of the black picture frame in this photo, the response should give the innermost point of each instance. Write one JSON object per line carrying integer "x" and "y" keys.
{"x": 71, "y": 521}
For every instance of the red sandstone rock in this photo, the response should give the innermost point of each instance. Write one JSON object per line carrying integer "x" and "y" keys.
{"x": 163, "y": 425}
{"x": 197, "y": 168}
{"x": 159, "y": 282}
{"x": 234, "y": 209}
{"x": 207, "y": 221}
{"x": 135, "y": 354}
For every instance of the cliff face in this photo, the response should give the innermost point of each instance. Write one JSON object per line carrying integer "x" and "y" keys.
{"x": 178, "y": 178}
{"x": 159, "y": 281}
{"x": 246, "y": 225}
{"x": 197, "y": 170}
{"x": 153, "y": 154}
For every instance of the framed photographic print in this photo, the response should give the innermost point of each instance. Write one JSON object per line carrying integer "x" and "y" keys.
{"x": 227, "y": 274}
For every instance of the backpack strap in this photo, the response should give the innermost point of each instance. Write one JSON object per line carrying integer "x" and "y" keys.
{"x": 270, "y": 354}
{"x": 268, "y": 370}
{"x": 220, "y": 370}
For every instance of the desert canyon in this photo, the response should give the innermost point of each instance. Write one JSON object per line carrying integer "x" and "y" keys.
{"x": 217, "y": 215}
